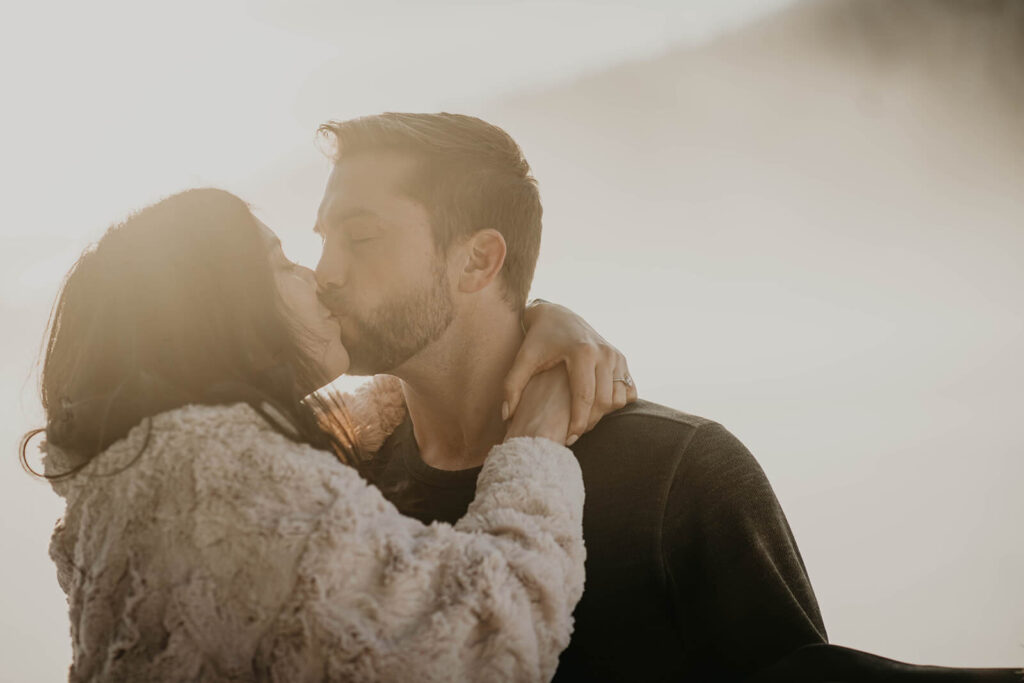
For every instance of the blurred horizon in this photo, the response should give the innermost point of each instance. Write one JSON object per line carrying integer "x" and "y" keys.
{"x": 801, "y": 219}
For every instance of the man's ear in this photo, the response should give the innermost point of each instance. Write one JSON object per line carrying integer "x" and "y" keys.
{"x": 484, "y": 256}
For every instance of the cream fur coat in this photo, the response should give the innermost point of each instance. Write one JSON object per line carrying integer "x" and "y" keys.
{"x": 229, "y": 553}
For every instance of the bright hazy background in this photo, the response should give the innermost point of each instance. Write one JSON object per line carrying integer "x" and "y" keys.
{"x": 801, "y": 219}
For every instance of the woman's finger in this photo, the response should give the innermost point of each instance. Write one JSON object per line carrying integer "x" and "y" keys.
{"x": 603, "y": 396}
{"x": 619, "y": 389}
{"x": 631, "y": 393}
{"x": 582, "y": 384}
{"x": 524, "y": 367}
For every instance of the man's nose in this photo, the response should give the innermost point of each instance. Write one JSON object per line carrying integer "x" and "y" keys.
{"x": 331, "y": 269}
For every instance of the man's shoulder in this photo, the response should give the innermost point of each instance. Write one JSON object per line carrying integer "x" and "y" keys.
{"x": 650, "y": 413}
{"x": 655, "y": 436}
{"x": 648, "y": 424}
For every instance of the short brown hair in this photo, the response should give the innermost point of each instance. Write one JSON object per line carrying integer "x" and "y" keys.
{"x": 470, "y": 175}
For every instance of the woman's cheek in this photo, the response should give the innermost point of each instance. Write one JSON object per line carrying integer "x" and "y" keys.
{"x": 298, "y": 298}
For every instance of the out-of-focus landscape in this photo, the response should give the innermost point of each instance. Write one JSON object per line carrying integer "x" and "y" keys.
{"x": 804, "y": 220}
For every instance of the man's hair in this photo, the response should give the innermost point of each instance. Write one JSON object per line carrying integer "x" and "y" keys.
{"x": 469, "y": 175}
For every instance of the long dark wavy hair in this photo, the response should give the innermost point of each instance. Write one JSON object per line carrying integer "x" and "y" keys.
{"x": 177, "y": 305}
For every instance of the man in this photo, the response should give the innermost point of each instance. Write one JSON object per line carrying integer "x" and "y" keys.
{"x": 431, "y": 227}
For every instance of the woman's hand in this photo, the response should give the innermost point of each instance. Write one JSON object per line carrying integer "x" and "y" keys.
{"x": 544, "y": 408}
{"x": 599, "y": 376}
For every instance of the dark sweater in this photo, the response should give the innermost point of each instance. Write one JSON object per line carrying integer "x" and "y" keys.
{"x": 692, "y": 571}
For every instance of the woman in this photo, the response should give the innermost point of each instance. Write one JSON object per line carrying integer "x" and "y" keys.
{"x": 210, "y": 531}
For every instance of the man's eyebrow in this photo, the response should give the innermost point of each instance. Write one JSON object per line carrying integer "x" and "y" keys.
{"x": 340, "y": 217}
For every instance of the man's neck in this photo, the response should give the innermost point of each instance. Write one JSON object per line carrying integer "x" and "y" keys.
{"x": 454, "y": 388}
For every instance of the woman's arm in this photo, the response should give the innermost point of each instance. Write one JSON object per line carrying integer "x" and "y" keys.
{"x": 373, "y": 410}
{"x": 488, "y": 599}
{"x": 375, "y": 595}
{"x": 599, "y": 377}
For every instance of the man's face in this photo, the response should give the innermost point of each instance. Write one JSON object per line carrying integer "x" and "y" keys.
{"x": 380, "y": 273}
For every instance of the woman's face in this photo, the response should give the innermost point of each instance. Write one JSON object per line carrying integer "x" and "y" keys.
{"x": 317, "y": 332}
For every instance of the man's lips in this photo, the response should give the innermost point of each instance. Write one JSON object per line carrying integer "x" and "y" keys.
{"x": 335, "y": 312}
{"x": 343, "y": 321}
{"x": 331, "y": 299}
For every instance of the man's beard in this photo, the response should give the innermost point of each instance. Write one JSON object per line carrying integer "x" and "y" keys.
{"x": 399, "y": 329}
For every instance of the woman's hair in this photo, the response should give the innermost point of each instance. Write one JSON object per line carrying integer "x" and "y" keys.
{"x": 176, "y": 305}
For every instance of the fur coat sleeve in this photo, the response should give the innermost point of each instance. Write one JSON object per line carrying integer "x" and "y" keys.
{"x": 375, "y": 409}
{"x": 226, "y": 552}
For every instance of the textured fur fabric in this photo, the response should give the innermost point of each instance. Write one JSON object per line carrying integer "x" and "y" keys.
{"x": 229, "y": 553}
{"x": 376, "y": 409}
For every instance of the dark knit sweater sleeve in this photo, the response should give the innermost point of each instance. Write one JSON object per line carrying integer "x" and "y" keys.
{"x": 739, "y": 587}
